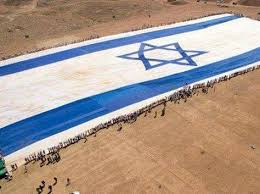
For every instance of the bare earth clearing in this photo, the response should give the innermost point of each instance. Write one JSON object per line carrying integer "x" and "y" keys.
{"x": 202, "y": 146}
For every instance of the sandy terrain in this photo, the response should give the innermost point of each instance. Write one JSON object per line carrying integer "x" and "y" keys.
{"x": 36, "y": 24}
{"x": 202, "y": 146}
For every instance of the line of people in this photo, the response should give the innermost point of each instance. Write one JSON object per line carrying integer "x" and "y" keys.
{"x": 41, "y": 187}
{"x": 182, "y": 94}
{"x": 145, "y": 26}
{"x": 95, "y": 36}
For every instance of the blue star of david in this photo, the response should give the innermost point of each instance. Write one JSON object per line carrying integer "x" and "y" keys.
{"x": 186, "y": 55}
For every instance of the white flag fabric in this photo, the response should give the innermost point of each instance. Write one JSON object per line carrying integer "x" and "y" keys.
{"x": 57, "y": 90}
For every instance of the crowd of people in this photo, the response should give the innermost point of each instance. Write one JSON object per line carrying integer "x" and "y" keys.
{"x": 42, "y": 186}
{"x": 145, "y": 26}
{"x": 51, "y": 155}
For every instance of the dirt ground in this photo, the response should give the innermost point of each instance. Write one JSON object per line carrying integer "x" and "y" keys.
{"x": 202, "y": 146}
{"x": 26, "y": 25}
{"x": 249, "y": 2}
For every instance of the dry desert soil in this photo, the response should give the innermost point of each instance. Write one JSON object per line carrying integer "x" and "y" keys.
{"x": 201, "y": 146}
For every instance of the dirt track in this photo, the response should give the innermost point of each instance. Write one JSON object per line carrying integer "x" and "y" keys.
{"x": 202, "y": 146}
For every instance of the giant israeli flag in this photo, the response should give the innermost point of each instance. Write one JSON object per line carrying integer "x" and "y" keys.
{"x": 49, "y": 94}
